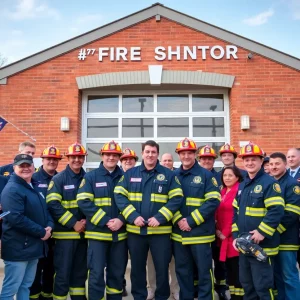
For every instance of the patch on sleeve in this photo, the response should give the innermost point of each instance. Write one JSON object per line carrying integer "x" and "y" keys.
{"x": 82, "y": 183}
{"x": 121, "y": 179}
{"x": 296, "y": 190}
{"x": 177, "y": 180}
{"x": 214, "y": 182}
{"x": 276, "y": 188}
{"x": 51, "y": 184}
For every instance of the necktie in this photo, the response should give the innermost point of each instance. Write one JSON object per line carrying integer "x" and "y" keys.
{"x": 292, "y": 173}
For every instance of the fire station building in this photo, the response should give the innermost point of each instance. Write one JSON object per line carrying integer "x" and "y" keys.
{"x": 156, "y": 74}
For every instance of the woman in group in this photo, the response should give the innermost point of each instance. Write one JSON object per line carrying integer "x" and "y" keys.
{"x": 230, "y": 177}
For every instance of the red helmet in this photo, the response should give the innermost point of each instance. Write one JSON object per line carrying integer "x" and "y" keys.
{"x": 207, "y": 151}
{"x": 228, "y": 149}
{"x": 251, "y": 150}
{"x": 111, "y": 147}
{"x": 76, "y": 150}
{"x": 186, "y": 145}
{"x": 128, "y": 153}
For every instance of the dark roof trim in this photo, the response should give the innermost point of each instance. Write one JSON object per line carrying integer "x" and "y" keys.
{"x": 152, "y": 11}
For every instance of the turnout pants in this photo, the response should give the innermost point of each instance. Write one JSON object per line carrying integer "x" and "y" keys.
{"x": 235, "y": 287}
{"x": 219, "y": 270}
{"x": 256, "y": 277}
{"x": 113, "y": 256}
{"x": 186, "y": 256}
{"x": 161, "y": 251}
{"x": 42, "y": 286}
{"x": 70, "y": 265}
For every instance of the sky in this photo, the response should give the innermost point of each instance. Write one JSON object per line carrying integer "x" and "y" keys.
{"x": 30, "y": 26}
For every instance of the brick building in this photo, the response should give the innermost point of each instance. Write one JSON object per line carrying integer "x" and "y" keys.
{"x": 156, "y": 74}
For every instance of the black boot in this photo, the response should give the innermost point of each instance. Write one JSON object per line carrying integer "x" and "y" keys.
{"x": 223, "y": 296}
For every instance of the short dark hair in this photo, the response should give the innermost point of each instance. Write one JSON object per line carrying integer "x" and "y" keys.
{"x": 150, "y": 143}
{"x": 236, "y": 171}
{"x": 278, "y": 155}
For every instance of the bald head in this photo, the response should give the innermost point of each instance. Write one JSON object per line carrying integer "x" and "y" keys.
{"x": 167, "y": 160}
{"x": 293, "y": 158}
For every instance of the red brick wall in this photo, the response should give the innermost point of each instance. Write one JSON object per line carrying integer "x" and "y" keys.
{"x": 37, "y": 98}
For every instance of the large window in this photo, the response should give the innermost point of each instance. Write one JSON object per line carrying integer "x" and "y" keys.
{"x": 131, "y": 118}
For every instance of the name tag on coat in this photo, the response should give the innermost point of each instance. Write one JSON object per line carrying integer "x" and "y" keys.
{"x": 69, "y": 187}
{"x": 132, "y": 179}
{"x": 101, "y": 184}
{"x": 43, "y": 185}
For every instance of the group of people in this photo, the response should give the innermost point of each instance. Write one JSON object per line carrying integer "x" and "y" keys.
{"x": 70, "y": 227}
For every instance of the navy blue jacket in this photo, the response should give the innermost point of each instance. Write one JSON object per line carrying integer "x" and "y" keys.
{"x": 7, "y": 170}
{"x": 3, "y": 181}
{"x": 41, "y": 180}
{"x": 96, "y": 200}
{"x": 24, "y": 227}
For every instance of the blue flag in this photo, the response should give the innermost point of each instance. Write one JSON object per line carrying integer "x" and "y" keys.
{"x": 3, "y": 122}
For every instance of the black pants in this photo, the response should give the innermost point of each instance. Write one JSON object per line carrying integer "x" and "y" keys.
{"x": 70, "y": 264}
{"x": 113, "y": 256}
{"x": 219, "y": 270}
{"x": 42, "y": 286}
{"x": 235, "y": 287}
{"x": 256, "y": 277}
{"x": 161, "y": 251}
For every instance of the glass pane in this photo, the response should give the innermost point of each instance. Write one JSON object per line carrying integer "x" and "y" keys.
{"x": 103, "y": 104}
{"x": 215, "y": 146}
{"x": 208, "y": 103}
{"x": 168, "y": 148}
{"x": 137, "y": 104}
{"x": 93, "y": 152}
{"x": 175, "y": 127}
{"x": 204, "y": 127}
{"x": 102, "y": 128}
{"x": 137, "y": 128}
{"x": 176, "y": 103}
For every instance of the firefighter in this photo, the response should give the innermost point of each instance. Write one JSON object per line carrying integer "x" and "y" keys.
{"x": 286, "y": 272}
{"x": 42, "y": 286}
{"x": 258, "y": 210}
{"x": 128, "y": 159}
{"x": 70, "y": 245}
{"x": 228, "y": 157}
{"x": 148, "y": 195}
{"x": 194, "y": 224}
{"x": 105, "y": 228}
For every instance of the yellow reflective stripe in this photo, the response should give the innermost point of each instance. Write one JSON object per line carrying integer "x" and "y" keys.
{"x": 266, "y": 228}
{"x": 293, "y": 208}
{"x": 66, "y": 235}
{"x": 53, "y": 197}
{"x": 176, "y": 237}
{"x": 82, "y": 196}
{"x": 271, "y": 294}
{"x": 46, "y": 295}
{"x": 104, "y": 201}
{"x": 159, "y": 198}
{"x": 212, "y": 195}
{"x": 133, "y": 229}
{"x": 36, "y": 296}
{"x": 176, "y": 216}
{"x": 190, "y": 201}
{"x": 271, "y": 251}
{"x": 235, "y": 204}
{"x": 94, "y": 235}
{"x": 77, "y": 291}
{"x": 67, "y": 204}
{"x": 159, "y": 230}
{"x": 110, "y": 290}
{"x": 122, "y": 236}
{"x": 55, "y": 297}
{"x": 175, "y": 192}
{"x": 274, "y": 201}
{"x": 198, "y": 239}
{"x": 212, "y": 285}
{"x": 128, "y": 210}
{"x": 98, "y": 216}
{"x": 120, "y": 190}
{"x": 281, "y": 228}
{"x": 166, "y": 212}
{"x": 238, "y": 291}
{"x": 135, "y": 196}
{"x": 255, "y": 212}
{"x": 63, "y": 220}
{"x": 234, "y": 227}
{"x": 289, "y": 247}
{"x": 197, "y": 217}
{"x": 220, "y": 282}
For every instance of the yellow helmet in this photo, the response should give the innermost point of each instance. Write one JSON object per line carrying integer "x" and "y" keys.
{"x": 76, "y": 149}
{"x": 207, "y": 151}
{"x": 128, "y": 153}
{"x": 251, "y": 150}
{"x": 111, "y": 147}
{"x": 228, "y": 149}
{"x": 51, "y": 152}
{"x": 186, "y": 145}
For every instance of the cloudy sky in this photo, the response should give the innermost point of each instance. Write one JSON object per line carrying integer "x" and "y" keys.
{"x": 29, "y": 26}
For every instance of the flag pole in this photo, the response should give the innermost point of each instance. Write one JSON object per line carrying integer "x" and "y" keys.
{"x": 32, "y": 138}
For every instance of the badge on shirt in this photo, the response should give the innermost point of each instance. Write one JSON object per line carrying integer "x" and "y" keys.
{"x": 43, "y": 185}
{"x": 69, "y": 187}
{"x": 197, "y": 179}
{"x": 160, "y": 189}
{"x": 257, "y": 189}
{"x": 160, "y": 177}
{"x": 101, "y": 184}
{"x": 132, "y": 179}
{"x": 6, "y": 174}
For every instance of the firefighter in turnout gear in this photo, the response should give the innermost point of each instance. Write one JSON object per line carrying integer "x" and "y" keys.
{"x": 70, "y": 245}
{"x": 286, "y": 272}
{"x": 42, "y": 286}
{"x": 105, "y": 228}
{"x": 148, "y": 196}
{"x": 258, "y": 210}
{"x": 194, "y": 224}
